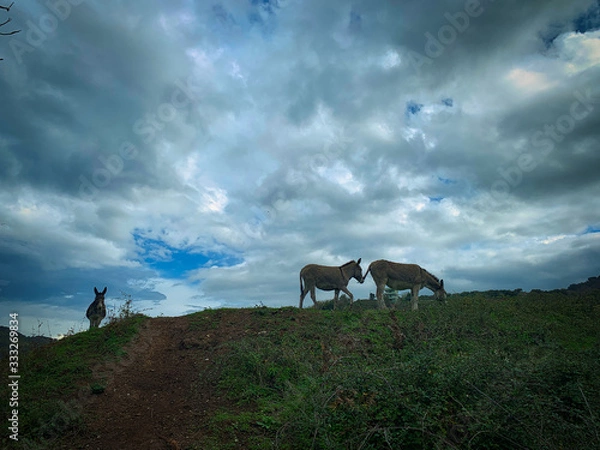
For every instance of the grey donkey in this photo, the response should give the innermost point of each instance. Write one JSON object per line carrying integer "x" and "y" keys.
{"x": 97, "y": 310}
{"x": 329, "y": 278}
{"x": 404, "y": 276}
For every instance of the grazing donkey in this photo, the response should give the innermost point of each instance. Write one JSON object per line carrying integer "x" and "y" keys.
{"x": 97, "y": 310}
{"x": 404, "y": 276}
{"x": 329, "y": 278}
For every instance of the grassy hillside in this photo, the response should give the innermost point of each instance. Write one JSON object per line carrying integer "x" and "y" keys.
{"x": 504, "y": 373}
{"x": 53, "y": 376}
{"x": 519, "y": 371}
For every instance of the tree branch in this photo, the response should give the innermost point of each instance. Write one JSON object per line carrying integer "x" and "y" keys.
{"x": 9, "y": 33}
{"x": 7, "y": 8}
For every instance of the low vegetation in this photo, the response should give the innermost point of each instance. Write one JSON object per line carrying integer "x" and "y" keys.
{"x": 53, "y": 375}
{"x": 513, "y": 370}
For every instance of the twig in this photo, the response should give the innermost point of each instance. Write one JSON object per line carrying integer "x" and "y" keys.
{"x": 7, "y": 33}
{"x": 590, "y": 410}
{"x": 7, "y": 8}
{"x": 507, "y": 411}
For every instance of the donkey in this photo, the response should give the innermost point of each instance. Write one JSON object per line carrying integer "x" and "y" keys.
{"x": 97, "y": 310}
{"x": 329, "y": 278}
{"x": 404, "y": 276}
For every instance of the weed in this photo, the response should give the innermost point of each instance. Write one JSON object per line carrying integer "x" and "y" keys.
{"x": 124, "y": 311}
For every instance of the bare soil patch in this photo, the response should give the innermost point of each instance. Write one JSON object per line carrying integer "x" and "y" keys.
{"x": 163, "y": 393}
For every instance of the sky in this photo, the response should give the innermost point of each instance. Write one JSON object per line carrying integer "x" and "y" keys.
{"x": 197, "y": 154}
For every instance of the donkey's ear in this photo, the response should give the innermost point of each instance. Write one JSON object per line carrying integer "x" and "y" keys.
{"x": 96, "y": 291}
{"x": 104, "y": 291}
{"x": 358, "y": 262}
{"x": 442, "y": 283}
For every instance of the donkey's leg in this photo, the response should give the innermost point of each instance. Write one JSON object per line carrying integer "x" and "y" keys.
{"x": 349, "y": 294}
{"x": 302, "y": 295}
{"x": 335, "y": 298}
{"x": 414, "y": 301}
{"x": 313, "y": 295}
{"x": 380, "y": 302}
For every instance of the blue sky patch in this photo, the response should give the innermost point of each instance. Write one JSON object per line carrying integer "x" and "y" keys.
{"x": 413, "y": 108}
{"x": 448, "y": 102}
{"x": 174, "y": 262}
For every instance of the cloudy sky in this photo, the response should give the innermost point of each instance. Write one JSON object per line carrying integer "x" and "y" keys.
{"x": 197, "y": 154}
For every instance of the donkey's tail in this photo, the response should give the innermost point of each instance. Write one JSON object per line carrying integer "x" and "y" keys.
{"x": 301, "y": 287}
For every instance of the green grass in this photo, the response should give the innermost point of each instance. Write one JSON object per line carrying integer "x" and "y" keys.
{"x": 53, "y": 375}
{"x": 483, "y": 371}
{"x": 514, "y": 372}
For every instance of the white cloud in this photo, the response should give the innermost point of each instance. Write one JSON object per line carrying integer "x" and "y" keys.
{"x": 552, "y": 239}
{"x": 382, "y": 130}
{"x": 391, "y": 59}
{"x": 341, "y": 175}
{"x": 578, "y": 51}
{"x": 528, "y": 81}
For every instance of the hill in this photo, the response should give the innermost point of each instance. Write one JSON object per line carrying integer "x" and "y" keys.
{"x": 592, "y": 283}
{"x": 512, "y": 372}
{"x": 26, "y": 343}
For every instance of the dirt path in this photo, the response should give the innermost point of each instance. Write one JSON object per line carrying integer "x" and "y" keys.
{"x": 155, "y": 397}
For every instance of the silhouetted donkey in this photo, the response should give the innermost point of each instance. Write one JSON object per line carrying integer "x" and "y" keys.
{"x": 404, "y": 276}
{"x": 97, "y": 310}
{"x": 329, "y": 278}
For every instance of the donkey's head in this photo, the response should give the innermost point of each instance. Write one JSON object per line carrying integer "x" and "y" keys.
{"x": 440, "y": 293}
{"x": 356, "y": 272}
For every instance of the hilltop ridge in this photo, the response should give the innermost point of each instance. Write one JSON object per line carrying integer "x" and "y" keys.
{"x": 592, "y": 283}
